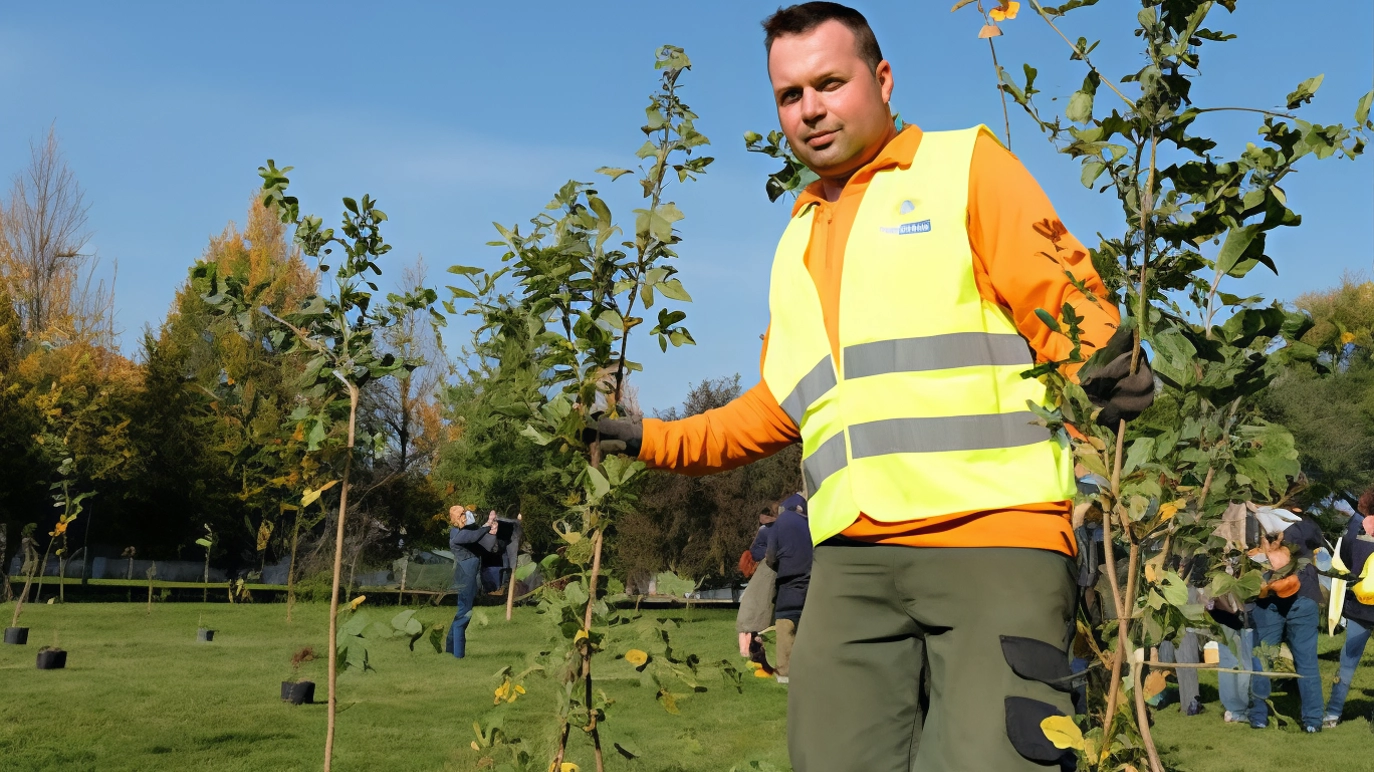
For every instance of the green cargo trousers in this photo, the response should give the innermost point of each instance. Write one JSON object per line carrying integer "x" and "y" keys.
{"x": 994, "y": 626}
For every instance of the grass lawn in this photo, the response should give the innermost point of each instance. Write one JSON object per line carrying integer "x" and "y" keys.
{"x": 139, "y": 693}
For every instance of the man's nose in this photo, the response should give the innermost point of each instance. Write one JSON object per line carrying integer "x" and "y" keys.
{"x": 812, "y": 106}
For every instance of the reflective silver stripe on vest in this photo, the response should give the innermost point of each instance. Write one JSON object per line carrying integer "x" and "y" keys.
{"x": 812, "y": 386}
{"x": 828, "y": 459}
{"x": 935, "y": 352}
{"x": 935, "y": 435}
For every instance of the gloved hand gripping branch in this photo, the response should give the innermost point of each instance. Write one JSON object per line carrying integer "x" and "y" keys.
{"x": 623, "y": 436}
{"x": 1108, "y": 381}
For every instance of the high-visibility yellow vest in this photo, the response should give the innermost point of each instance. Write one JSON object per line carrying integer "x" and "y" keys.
{"x": 925, "y": 414}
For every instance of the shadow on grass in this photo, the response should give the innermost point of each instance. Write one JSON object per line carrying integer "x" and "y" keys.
{"x": 240, "y": 738}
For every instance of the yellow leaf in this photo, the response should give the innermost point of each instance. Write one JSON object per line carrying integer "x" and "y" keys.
{"x": 1063, "y": 732}
{"x": 519, "y": 689}
{"x": 1154, "y": 568}
{"x": 1154, "y": 683}
{"x": 1006, "y": 10}
{"x": 1167, "y": 512}
{"x": 989, "y": 31}
{"x": 567, "y": 767}
{"x": 475, "y": 746}
{"x": 580, "y": 635}
{"x": 356, "y": 602}
{"x": 1347, "y": 337}
{"x": 637, "y": 658}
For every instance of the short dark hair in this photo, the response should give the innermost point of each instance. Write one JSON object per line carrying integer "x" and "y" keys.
{"x": 802, "y": 18}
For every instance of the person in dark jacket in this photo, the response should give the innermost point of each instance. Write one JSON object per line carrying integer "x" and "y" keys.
{"x": 1295, "y": 618}
{"x": 792, "y": 546}
{"x": 1356, "y": 549}
{"x": 756, "y": 604}
{"x": 468, "y": 539}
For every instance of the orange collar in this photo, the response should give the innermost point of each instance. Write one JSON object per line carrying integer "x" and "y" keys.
{"x": 898, "y": 152}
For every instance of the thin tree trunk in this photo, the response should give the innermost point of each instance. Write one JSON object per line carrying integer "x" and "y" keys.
{"x": 1142, "y": 713}
{"x": 334, "y": 595}
{"x": 22, "y": 596}
{"x": 42, "y": 569}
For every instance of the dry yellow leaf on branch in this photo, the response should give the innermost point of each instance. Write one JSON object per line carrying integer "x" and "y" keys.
{"x": 1155, "y": 683}
{"x": 1007, "y": 9}
{"x": 1063, "y": 732}
{"x": 989, "y": 31}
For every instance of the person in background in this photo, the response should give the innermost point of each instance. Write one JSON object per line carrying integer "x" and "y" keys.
{"x": 467, "y": 538}
{"x": 756, "y": 604}
{"x": 1289, "y": 609}
{"x": 792, "y": 540}
{"x": 1356, "y": 549}
{"x": 494, "y": 558}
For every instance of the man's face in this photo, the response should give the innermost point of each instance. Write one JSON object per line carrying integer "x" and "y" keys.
{"x": 832, "y": 107}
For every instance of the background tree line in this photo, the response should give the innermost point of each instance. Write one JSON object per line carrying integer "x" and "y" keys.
{"x": 203, "y": 425}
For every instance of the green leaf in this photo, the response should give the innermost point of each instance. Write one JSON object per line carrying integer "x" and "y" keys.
{"x": 464, "y": 270}
{"x": 1304, "y": 92}
{"x": 1091, "y": 171}
{"x": 204, "y": 543}
{"x": 1237, "y": 243}
{"x": 1049, "y": 321}
{"x": 672, "y": 288}
{"x": 1362, "y": 109}
{"x": 597, "y": 485}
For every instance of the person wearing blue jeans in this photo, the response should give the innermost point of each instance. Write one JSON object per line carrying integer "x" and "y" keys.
{"x": 465, "y": 537}
{"x": 1357, "y": 546}
{"x": 1294, "y": 619}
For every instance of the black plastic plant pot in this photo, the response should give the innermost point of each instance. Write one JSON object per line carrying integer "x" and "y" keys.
{"x": 298, "y": 692}
{"x": 52, "y": 659}
{"x": 17, "y": 636}
{"x": 205, "y": 634}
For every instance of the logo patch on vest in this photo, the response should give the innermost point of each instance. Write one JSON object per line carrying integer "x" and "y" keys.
{"x": 908, "y": 228}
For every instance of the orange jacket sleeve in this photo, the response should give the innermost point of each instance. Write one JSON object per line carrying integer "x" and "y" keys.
{"x": 751, "y": 427}
{"x": 1021, "y": 252}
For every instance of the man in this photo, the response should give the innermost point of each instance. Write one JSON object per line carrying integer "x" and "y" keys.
{"x": 467, "y": 540}
{"x": 1356, "y": 549}
{"x": 903, "y": 296}
{"x": 792, "y": 537}
{"x": 1289, "y": 609}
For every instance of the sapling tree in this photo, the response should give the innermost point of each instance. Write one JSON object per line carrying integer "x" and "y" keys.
{"x": 28, "y": 567}
{"x": 337, "y": 331}
{"x": 207, "y": 543}
{"x": 579, "y": 296}
{"x": 1195, "y": 217}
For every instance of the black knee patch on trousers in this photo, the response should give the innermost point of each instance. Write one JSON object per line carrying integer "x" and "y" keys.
{"x": 1038, "y": 661}
{"x": 1023, "y": 729}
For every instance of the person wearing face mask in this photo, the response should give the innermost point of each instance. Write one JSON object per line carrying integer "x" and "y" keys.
{"x": 904, "y": 297}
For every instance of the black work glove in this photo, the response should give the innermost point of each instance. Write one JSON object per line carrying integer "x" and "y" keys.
{"x": 623, "y": 436}
{"x": 1109, "y": 384}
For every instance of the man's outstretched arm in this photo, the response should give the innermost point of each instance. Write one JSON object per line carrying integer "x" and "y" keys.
{"x": 749, "y": 428}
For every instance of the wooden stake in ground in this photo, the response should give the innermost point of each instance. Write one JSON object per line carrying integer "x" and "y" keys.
{"x": 510, "y": 583}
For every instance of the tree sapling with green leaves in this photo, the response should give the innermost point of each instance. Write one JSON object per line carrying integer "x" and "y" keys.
{"x": 337, "y": 333}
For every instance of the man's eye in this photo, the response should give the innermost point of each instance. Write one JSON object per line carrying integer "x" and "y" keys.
{"x": 831, "y": 85}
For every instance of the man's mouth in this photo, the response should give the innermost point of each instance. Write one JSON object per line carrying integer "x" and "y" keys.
{"x": 821, "y": 139}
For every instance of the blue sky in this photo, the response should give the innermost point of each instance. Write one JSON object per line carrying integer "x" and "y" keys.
{"x": 455, "y": 115}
